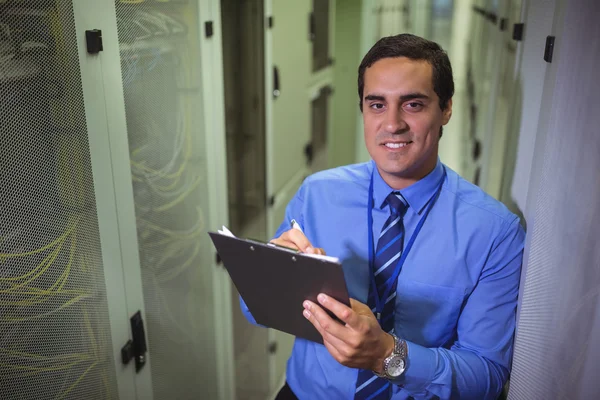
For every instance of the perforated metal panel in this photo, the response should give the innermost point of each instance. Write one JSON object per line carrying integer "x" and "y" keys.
{"x": 54, "y": 328}
{"x": 557, "y": 351}
{"x": 159, "y": 45}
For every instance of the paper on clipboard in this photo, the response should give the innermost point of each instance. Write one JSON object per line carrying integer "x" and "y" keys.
{"x": 227, "y": 232}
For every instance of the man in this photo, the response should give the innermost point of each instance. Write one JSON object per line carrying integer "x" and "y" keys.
{"x": 432, "y": 263}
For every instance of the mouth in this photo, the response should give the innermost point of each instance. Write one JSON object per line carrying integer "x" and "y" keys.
{"x": 396, "y": 145}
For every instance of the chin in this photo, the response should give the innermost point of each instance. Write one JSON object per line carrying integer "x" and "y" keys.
{"x": 407, "y": 169}
{"x": 400, "y": 171}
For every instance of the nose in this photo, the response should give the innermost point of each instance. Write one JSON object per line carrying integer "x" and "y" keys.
{"x": 394, "y": 121}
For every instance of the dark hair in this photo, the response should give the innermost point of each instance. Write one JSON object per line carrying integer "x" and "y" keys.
{"x": 415, "y": 48}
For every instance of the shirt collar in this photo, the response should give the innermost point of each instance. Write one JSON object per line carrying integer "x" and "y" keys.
{"x": 417, "y": 195}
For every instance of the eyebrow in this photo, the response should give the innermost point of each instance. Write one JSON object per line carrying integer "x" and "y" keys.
{"x": 403, "y": 98}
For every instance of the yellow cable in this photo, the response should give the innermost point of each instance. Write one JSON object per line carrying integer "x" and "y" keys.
{"x": 41, "y": 249}
{"x": 33, "y": 271}
{"x": 105, "y": 381}
{"x": 180, "y": 198}
{"x": 48, "y": 292}
{"x": 168, "y": 312}
{"x": 88, "y": 326}
{"x": 173, "y": 273}
{"x": 62, "y": 396}
{"x": 70, "y": 175}
{"x": 14, "y": 353}
{"x": 44, "y": 266}
{"x": 32, "y": 291}
{"x": 173, "y": 233}
{"x": 41, "y": 369}
{"x": 168, "y": 241}
{"x": 33, "y": 317}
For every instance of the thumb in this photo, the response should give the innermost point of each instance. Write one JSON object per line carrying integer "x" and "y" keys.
{"x": 359, "y": 307}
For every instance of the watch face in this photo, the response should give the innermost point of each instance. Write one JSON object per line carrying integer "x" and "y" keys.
{"x": 395, "y": 367}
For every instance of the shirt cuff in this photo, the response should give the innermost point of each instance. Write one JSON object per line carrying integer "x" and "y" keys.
{"x": 420, "y": 367}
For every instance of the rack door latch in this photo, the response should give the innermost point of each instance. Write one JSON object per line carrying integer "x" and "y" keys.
{"x": 93, "y": 40}
{"x": 136, "y": 347}
{"x": 549, "y": 50}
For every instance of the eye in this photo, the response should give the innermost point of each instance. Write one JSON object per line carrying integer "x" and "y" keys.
{"x": 376, "y": 106}
{"x": 413, "y": 106}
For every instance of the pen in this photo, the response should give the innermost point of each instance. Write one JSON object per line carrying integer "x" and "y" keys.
{"x": 295, "y": 225}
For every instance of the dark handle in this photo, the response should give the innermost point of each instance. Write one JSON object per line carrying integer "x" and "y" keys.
{"x": 139, "y": 340}
{"x": 309, "y": 153}
{"x": 276, "y": 89}
{"x": 311, "y": 27}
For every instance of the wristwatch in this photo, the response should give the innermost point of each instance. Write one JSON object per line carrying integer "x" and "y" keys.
{"x": 395, "y": 364}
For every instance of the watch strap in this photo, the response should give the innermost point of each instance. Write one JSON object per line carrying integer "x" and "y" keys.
{"x": 400, "y": 349}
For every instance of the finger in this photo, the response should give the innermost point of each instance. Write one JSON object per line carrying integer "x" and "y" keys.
{"x": 323, "y": 322}
{"x": 342, "y": 311}
{"x": 337, "y": 347}
{"x": 361, "y": 308}
{"x": 318, "y": 250}
{"x": 297, "y": 237}
{"x": 335, "y": 353}
{"x": 285, "y": 243}
{"x": 311, "y": 318}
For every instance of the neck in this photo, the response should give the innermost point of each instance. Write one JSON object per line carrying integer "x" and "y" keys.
{"x": 404, "y": 180}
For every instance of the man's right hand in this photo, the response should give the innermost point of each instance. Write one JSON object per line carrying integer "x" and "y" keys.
{"x": 295, "y": 239}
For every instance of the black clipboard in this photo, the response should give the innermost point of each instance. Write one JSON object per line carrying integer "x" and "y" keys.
{"x": 274, "y": 282}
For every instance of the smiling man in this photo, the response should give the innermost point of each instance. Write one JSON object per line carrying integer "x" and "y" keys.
{"x": 432, "y": 263}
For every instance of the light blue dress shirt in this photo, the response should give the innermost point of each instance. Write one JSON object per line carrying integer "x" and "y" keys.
{"x": 457, "y": 292}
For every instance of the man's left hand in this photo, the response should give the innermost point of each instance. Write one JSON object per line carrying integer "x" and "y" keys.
{"x": 357, "y": 343}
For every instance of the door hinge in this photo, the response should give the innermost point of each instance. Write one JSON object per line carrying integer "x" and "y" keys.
{"x": 503, "y": 24}
{"x": 309, "y": 153}
{"x": 270, "y": 21}
{"x": 477, "y": 176}
{"x": 476, "y": 150}
{"x": 272, "y": 348}
{"x": 208, "y": 29}
{"x": 271, "y": 201}
{"x": 136, "y": 347}
{"x": 218, "y": 259}
{"x": 549, "y": 50}
{"x": 518, "y": 31}
{"x": 93, "y": 40}
{"x": 276, "y": 85}
{"x": 311, "y": 27}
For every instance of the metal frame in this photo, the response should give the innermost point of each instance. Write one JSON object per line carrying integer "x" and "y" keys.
{"x": 214, "y": 117}
{"x": 321, "y": 79}
{"x": 368, "y": 26}
{"x": 268, "y": 12}
{"x": 269, "y": 145}
{"x": 99, "y": 112}
{"x": 105, "y": 114}
{"x": 489, "y": 141}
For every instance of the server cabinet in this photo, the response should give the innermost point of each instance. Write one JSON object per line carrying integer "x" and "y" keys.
{"x": 55, "y": 328}
{"x": 108, "y": 178}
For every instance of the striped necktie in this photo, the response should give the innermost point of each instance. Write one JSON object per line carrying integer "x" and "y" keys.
{"x": 389, "y": 249}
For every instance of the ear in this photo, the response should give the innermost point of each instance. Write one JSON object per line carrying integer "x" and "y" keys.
{"x": 447, "y": 113}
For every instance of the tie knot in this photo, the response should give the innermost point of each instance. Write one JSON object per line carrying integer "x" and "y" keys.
{"x": 397, "y": 203}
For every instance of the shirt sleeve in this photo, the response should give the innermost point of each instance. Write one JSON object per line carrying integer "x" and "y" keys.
{"x": 477, "y": 365}
{"x": 294, "y": 210}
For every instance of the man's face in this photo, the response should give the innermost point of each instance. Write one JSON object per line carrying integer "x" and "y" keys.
{"x": 402, "y": 119}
